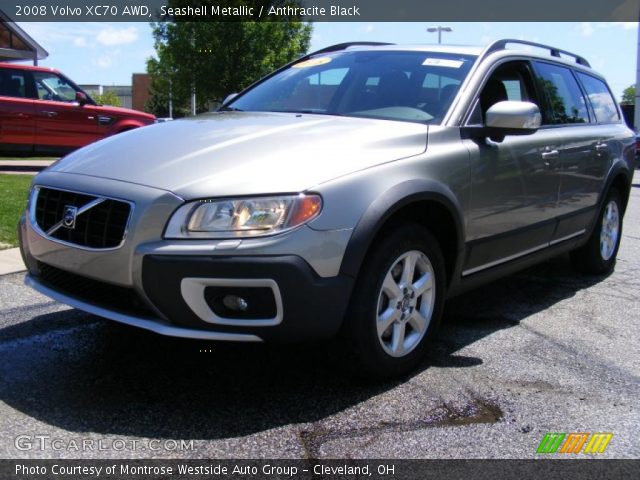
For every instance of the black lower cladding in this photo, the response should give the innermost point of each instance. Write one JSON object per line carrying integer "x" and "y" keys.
{"x": 105, "y": 295}
{"x": 313, "y": 306}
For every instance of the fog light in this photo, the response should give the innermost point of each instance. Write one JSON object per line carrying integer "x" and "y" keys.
{"x": 241, "y": 303}
{"x": 235, "y": 303}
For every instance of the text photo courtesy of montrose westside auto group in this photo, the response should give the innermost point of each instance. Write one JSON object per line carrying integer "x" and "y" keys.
{"x": 313, "y": 239}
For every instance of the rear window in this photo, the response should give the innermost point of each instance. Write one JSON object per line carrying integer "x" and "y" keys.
{"x": 12, "y": 83}
{"x": 566, "y": 102}
{"x": 604, "y": 106}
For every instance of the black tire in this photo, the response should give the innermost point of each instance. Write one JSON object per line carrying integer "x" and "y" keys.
{"x": 590, "y": 258}
{"x": 371, "y": 358}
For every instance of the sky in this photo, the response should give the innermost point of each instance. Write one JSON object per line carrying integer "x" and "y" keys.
{"x": 108, "y": 53}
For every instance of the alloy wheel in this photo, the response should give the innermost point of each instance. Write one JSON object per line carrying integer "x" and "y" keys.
{"x": 610, "y": 230}
{"x": 405, "y": 303}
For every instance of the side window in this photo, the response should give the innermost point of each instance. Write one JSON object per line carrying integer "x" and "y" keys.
{"x": 514, "y": 89}
{"x": 604, "y": 106}
{"x": 566, "y": 102}
{"x": 50, "y": 86}
{"x": 510, "y": 81}
{"x": 12, "y": 83}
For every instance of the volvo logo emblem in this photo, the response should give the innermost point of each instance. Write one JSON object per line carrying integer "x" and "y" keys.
{"x": 69, "y": 216}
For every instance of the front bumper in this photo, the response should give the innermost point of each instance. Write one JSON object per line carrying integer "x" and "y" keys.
{"x": 312, "y": 307}
{"x": 151, "y": 323}
{"x": 158, "y": 284}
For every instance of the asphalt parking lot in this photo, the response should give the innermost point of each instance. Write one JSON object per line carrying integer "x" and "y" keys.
{"x": 546, "y": 350}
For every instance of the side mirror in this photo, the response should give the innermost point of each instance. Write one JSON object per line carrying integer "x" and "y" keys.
{"x": 515, "y": 118}
{"x": 506, "y": 118}
{"x": 82, "y": 98}
{"x": 230, "y": 97}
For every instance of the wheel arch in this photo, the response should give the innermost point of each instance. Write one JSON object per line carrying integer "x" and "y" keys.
{"x": 621, "y": 181}
{"x": 124, "y": 125}
{"x": 126, "y": 128}
{"x": 427, "y": 202}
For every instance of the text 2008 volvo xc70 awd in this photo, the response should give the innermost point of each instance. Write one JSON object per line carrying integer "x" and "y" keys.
{"x": 351, "y": 191}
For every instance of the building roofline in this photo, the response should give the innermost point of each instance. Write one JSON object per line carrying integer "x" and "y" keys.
{"x": 40, "y": 52}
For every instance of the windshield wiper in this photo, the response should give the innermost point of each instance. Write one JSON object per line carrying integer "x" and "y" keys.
{"x": 230, "y": 109}
{"x": 310, "y": 111}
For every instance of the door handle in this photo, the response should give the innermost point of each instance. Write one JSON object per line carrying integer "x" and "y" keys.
{"x": 602, "y": 148}
{"x": 49, "y": 114}
{"x": 550, "y": 154}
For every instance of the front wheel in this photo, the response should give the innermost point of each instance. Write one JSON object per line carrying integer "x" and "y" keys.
{"x": 598, "y": 255}
{"x": 397, "y": 302}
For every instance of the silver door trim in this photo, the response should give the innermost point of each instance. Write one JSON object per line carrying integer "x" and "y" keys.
{"x": 503, "y": 260}
{"x": 521, "y": 254}
{"x": 568, "y": 237}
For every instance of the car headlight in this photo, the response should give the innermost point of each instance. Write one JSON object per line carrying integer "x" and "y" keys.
{"x": 242, "y": 217}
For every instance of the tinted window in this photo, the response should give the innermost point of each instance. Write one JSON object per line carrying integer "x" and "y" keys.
{"x": 408, "y": 86}
{"x": 566, "y": 102}
{"x": 12, "y": 83}
{"x": 52, "y": 87}
{"x": 604, "y": 106}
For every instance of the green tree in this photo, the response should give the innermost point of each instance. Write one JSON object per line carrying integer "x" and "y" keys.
{"x": 629, "y": 95}
{"x": 218, "y": 58}
{"x": 108, "y": 98}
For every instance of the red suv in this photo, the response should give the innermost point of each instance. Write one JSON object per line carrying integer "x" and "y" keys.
{"x": 43, "y": 112}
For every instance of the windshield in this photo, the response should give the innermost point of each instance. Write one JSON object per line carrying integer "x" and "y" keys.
{"x": 407, "y": 86}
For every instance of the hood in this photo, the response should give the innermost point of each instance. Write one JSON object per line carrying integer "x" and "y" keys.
{"x": 125, "y": 112}
{"x": 243, "y": 153}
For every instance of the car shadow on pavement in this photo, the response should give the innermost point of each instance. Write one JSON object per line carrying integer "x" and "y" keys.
{"x": 504, "y": 304}
{"x": 83, "y": 374}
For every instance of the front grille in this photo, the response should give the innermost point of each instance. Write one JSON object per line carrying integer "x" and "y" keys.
{"x": 111, "y": 297}
{"x": 101, "y": 226}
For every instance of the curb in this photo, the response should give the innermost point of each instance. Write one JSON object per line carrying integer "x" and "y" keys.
{"x": 11, "y": 261}
{"x": 26, "y": 167}
{"x": 21, "y": 168}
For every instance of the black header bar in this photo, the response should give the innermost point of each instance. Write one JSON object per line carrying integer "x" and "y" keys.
{"x": 583, "y": 469}
{"x": 321, "y": 10}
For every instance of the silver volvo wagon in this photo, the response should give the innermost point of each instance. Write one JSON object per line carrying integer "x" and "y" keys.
{"x": 351, "y": 191}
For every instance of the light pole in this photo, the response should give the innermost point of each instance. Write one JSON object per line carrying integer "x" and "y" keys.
{"x": 636, "y": 110}
{"x": 439, "y": 29}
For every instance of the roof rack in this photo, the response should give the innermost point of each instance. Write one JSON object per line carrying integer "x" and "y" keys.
{"x": 553, "y": 51}
{"x": 344, "y": 46}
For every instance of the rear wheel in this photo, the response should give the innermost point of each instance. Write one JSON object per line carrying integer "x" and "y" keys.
{"x": 397, "y": 302}
{"x": 598, "y": 255}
